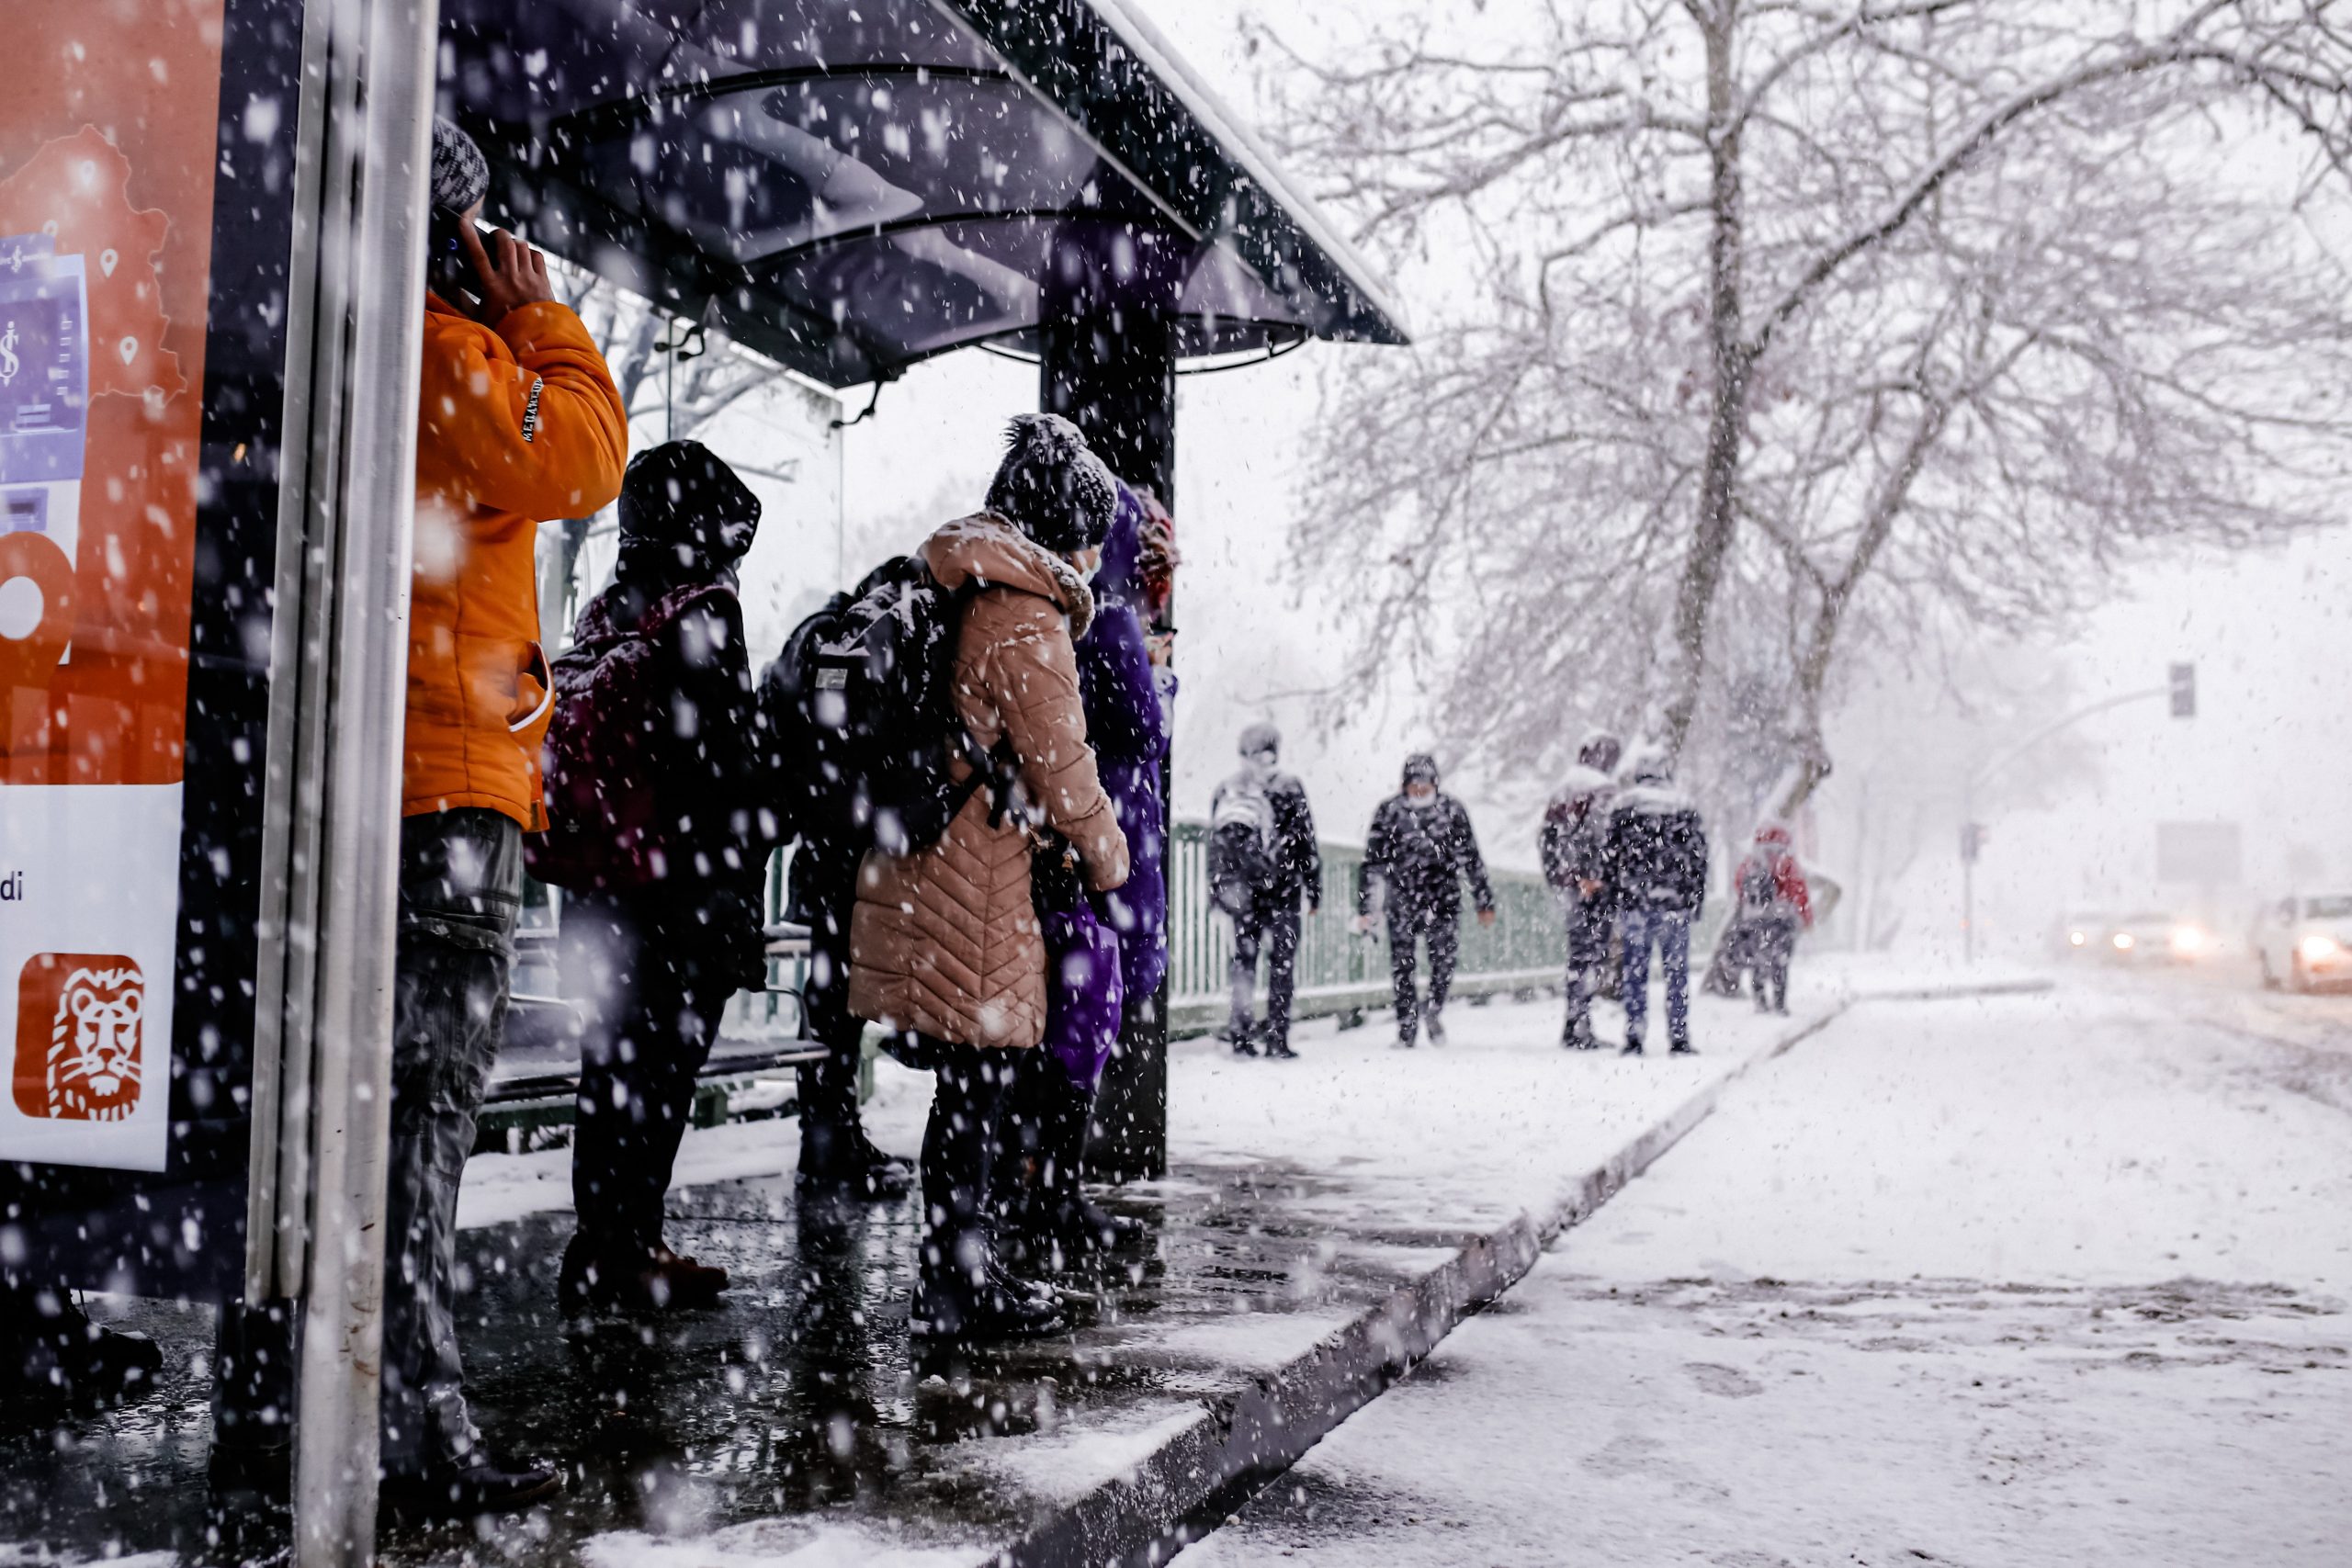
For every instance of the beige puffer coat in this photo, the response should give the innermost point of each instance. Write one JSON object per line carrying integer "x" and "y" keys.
{"x": 945, "y": 940}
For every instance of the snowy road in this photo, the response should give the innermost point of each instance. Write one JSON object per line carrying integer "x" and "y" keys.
{"x": 2024, "y": 1280}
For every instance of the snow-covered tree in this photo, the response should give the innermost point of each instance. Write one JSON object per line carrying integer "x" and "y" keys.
{"x": 1791, "y": 323}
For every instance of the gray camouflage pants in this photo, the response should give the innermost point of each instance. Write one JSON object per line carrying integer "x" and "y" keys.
{"x": 461, "y": 883}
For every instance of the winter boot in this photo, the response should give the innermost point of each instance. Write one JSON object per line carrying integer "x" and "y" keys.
{"x": 1632, "y": 1046}
{"x": 837, "y": 1159}
{"x": 470, "y": 1487}
{"x": 843, "y": 1162}
{"x": 1682, "y": 1048}
{"x": 600, "y": 1278}
{"x": 1058, "y": 1225}
{"x": 1434, "y": 1022}
{"x": 960, "y": 1304}
{"x": 1240, "y": 1035}
{"x": 49, "y": 1348}
{"x": 1280, "y": 1051}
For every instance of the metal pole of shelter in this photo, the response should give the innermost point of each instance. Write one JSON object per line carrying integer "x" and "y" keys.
{"x": 1107, "y": 362}
{"x": 359, "y": 503}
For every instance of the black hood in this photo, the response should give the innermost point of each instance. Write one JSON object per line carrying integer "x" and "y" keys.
{"x": 683, "y": 513}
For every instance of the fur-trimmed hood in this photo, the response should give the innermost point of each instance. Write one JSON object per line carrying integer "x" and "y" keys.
{"x": 987, "y": 550}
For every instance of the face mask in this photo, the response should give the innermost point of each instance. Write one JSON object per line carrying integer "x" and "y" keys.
{"x": 1420, "y": 797}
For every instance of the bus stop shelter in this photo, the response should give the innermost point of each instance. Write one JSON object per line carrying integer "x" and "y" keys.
{"x": 210, "y": 255}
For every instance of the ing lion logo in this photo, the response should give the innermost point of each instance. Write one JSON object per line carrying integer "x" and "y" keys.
{"x": 80, "y": 1029}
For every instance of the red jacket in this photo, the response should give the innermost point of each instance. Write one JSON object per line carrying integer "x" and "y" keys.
{"x": 1789, "y": 890}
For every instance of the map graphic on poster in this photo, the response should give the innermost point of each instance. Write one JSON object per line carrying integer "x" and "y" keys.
{"x": 104, "y": 265}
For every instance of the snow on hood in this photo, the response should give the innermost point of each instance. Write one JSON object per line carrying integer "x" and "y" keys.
{"x": 1653, "y": 799}
{"x": 1580, "y": 780}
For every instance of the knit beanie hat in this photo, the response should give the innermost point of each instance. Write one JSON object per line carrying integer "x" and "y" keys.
{"x": 460, "y": 174}
{"x": 1052, "y": 486}
{"x": 1260, "y": 738}
{"x": 1421, "y": 768}
{"x": 681, "y": 494}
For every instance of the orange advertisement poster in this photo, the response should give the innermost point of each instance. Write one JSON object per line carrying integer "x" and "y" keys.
{"x": 107, "y": 137}
{"x": 108, "y": 131}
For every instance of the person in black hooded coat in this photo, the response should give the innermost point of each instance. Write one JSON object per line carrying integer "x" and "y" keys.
{"x": 1420, "y": 849}
{"x": 651, "y": 967}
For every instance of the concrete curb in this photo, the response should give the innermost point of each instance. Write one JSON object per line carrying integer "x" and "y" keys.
{"x": 1240, "y": 1443}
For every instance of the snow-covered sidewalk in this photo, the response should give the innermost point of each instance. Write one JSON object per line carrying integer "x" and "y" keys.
{"x": 1325, "y": 1221}
{"x": 2021, "y": 1280}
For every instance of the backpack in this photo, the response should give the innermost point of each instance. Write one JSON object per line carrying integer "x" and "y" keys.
{"x": 602, "y": 762}
{"x": 1240, "y": 867}
{"x": 861, "y": 714}
{"x": 1760, "y": 887}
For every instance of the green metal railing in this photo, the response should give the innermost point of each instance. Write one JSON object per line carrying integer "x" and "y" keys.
{"x": 1339, "y": 972}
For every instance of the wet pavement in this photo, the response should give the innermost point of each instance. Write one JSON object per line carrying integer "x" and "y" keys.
{"x": 1326, "y": 1217}
{"x": 798, "y": 1396}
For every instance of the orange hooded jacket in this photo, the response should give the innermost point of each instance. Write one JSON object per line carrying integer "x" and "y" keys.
{"x": 515, "y": 427}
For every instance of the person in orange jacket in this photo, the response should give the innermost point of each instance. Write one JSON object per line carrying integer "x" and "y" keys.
{"x": 518, "y": 423}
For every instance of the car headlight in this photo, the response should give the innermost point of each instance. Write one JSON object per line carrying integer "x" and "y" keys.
{"x": 2188, "y": 939}
{"x": 2123, "y": 942}
{"x": 2077, "y": 938}
{"x": 2319, "y": 949}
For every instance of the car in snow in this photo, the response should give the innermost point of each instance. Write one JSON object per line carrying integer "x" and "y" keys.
{"x": 2305, "y": 942}
{"x": 2080, "y": 933}
{"x": 2155, "y": 937}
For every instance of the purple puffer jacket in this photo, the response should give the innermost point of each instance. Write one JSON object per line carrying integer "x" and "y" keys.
{"x": 1127, "y": 723}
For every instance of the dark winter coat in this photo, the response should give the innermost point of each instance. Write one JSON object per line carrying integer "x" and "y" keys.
{"x": 716, "y": 837}
{"x": 1423, "y": 854}
{"x": 1657, "y": 850}
{"x": 1574, "y": 843}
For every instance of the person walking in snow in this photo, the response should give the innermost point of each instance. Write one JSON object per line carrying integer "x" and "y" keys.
{"x": 1574, "y": 846}
{"x": 1415, "y": 859}
{"x": 1263, "y": 860}
{"x": 1656, "y": 856}
{"x": 1774, "y": 904}
{"x": 655, "y": 941}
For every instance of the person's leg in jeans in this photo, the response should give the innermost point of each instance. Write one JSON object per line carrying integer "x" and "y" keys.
{"x": 1588, "y": 951}
{"x": 1780, "y": 940}
{"x": 959, "y": 1150}
{"x": 640, "y": 1069}
{"x": 460, "y": 888}
{"x": 1280, "y": 927}
{"x": 1445, "y": 943}
{"x": 1633, "y": 970}
{"x": 836, "y": 1156}
{"x": 1403, "y": 928}
{"x": 1241, "y": 977}
{"x": 1674, "y": 957}
{"x": 961, "y": 1288}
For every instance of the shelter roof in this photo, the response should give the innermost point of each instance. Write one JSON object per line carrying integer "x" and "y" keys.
{"x": 853, "y": 186}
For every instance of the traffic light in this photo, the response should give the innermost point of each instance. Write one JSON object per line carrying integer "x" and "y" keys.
{"x": 1971, "y": 841}
{"x": 2184, "y": 691}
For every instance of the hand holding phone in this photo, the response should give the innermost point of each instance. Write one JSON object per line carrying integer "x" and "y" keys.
{"x": 511, "y": 274}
